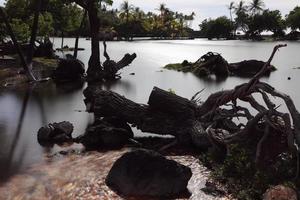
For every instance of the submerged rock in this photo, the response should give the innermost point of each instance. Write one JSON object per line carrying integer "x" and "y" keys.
{"x": 55, "y": 133}
{"x": 147, "y": 173}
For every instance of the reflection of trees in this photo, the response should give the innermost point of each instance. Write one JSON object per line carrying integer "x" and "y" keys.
{"x": 8, "y": 163}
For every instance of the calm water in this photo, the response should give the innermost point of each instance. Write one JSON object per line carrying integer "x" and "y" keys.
{"x": 23, "y": 112}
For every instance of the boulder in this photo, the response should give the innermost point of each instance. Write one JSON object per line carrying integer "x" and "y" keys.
{"x": 55, "y": 133}
{"x": 69, "y": 70}
{"x": 280, "y": 192}
{"x": 147, "y": 173}
{"x": 45, "y": 49}
{"x": 106, "y": 134}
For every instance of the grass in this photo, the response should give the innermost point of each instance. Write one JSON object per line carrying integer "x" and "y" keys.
{"x": 49, "y": 62}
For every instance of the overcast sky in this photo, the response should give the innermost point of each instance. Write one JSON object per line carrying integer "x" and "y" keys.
{"x": 203, "y": 8}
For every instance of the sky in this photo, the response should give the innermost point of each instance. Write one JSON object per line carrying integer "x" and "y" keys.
{"x": 203, "y": 8}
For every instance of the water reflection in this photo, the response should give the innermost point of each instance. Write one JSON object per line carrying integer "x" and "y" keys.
{"x": 24, "y": 111}
{"x": 8, "y": 163}
{"x": 50, "y": 102}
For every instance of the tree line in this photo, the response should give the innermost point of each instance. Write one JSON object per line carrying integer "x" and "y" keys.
{"x": 63, "y": 18}
{"x": 252, "y": 19}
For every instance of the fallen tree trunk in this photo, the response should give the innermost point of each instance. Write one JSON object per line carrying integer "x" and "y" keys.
{"x": 146, "y": 117}
{"x": 161, "y": 100}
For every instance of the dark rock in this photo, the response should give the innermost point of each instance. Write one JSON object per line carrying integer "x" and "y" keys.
{"x": 212, "y": 189}
{"x": 109, "y": 134}
{"x": 147, "y": 173}
{"x": 289, "y": 78}
{"x": 280, "y": 192}
{"x": 45, "y": 50}
{"x": 211, "y": 63}
{"x": 69, "y": 70}
{"x": 249, "y": 68}
{"x": 55, "y": 133}
{"x": 185, "y": 63}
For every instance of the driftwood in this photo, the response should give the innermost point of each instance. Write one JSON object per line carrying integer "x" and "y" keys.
{"x": 111, "y": 68}
{"x": 211, "y": 123}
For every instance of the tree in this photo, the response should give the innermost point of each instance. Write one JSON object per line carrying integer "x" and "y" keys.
{"x": 241, "y": 7}
{"x": 242, "y": 17}
{"x": 21, "y": 30}
{"x": 273, "y": 22}
{"x": 255, "y": 26}
{"x": 231, "y": 7}
{"x": 220, "y": 27}
{"x": 162, "y": 8}
{"x": 293, "y": 19}
{"x": 256, "y": 6}
{"x": 126, "y": 8}
{"x": 66, "y": 17}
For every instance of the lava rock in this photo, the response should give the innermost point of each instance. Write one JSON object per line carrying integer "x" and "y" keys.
{"x": 55, "y": 133}
{"x": 69, "y": 70}
{"x": 147, "y": 173}
{"x": 108, "y": 134}
{"x": 45, "y": 50}
{"x": 280, "y": 192}
{"x": 248, "y": 68}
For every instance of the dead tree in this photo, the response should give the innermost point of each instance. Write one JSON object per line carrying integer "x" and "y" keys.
{"x": 111, "y": 68}
{"x": 97, "y": 72}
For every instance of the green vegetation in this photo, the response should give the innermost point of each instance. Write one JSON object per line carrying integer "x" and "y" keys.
{"x": 252, "y": 19}
{"x": 57, "y": 18}
{"x": 242, "y": 179}
{"x": 218, "y": 28}
{"x": 63, "y": 17}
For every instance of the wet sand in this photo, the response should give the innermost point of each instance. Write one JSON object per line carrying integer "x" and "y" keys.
{"x": 82, "y": 176}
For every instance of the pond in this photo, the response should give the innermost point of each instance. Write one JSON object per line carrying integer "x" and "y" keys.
{"x": 24, "y": 111}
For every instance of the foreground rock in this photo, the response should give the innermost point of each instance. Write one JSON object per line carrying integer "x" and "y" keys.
{"x": 280, "y": 192}
{"x": 55, "y": 133}
{"x": 147, "y": 173}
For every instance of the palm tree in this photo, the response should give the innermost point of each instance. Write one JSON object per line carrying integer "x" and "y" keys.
{"x": 231, "y": 7}
{"x": 162, "y": 8}
{"x": 138, "y": 14}
{"x": 125, "y": 10}
{"x": 241, "y": 7}
{"x": 125, "y": 13}
{"x": 241, "y": 13}
{"x": 190, "y": 18}
{"x": 256, "y": 6}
